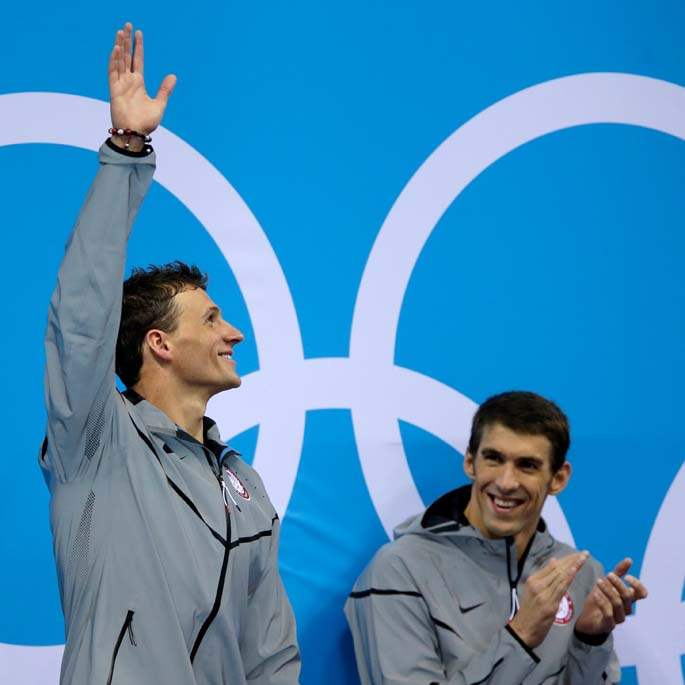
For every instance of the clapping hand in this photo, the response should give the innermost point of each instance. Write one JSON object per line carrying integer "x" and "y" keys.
{"x": 542, "y": 593}
{"x": 610, "y": 601}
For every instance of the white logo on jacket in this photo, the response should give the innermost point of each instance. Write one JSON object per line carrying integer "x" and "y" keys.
{"x": 236, "y": 483}
{"x": 565, "y": 610}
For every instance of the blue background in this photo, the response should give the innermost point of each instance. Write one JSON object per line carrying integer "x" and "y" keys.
{"x": 559, "y": 269}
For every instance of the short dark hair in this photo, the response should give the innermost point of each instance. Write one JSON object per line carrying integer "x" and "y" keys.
{"x": 527, "y": 413}
{"x": 148, "y": 303}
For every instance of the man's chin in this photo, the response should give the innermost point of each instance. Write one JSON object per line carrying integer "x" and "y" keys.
{"x": 227, "y": 384}
{"x": 232, "y": 383}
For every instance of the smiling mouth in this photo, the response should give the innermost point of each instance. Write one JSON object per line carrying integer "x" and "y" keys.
{"x": 505, "y": 505}
{"x": 228, "y": 356}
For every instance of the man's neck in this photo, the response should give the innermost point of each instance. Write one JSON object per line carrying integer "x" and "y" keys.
{"x": 521, "y": 539}
{"x": 184, "y": 407}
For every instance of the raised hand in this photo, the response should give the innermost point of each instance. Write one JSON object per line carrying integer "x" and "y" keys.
{"x": 610, "y": 600}
{"x": 542, "y": 593}
{"x": 130, "y": 104}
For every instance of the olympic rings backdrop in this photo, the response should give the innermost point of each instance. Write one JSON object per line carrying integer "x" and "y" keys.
{"x": 406, "y": 206}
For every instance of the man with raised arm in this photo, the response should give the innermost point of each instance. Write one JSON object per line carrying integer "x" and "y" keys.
{"x": 165, "y": 540}
{"x": 475, "y": 590}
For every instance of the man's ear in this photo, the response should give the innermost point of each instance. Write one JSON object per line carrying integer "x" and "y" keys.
{"x": 560, "y": 479}
{"x": 469, "y": 465}
{"x": 157, "y": 343}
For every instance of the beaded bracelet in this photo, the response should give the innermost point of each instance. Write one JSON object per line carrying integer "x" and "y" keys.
{"x": 129, "y": 133}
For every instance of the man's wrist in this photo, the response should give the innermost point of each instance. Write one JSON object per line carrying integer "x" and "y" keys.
{"x": 145, "y": 152}
{"x": 522, "y": 633}
{"x": 130, "y": 143}
{"x": 522, "y": 642}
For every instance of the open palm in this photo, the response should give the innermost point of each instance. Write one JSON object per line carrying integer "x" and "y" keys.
{"x": 130, "y": 104}
{"x": 610, "y": 600}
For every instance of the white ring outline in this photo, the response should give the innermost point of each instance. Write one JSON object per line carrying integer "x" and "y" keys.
{"x": 76, "y": 121}
{"x": 582, "y": 99}
{"x": 364, "y": 347}
{"x": 501, "y": 128}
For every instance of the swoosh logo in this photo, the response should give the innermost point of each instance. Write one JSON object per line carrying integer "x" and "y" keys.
{"x": 465, "y": 610}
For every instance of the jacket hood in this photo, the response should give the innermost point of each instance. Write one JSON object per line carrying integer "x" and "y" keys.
{"x": 447, "y": 512}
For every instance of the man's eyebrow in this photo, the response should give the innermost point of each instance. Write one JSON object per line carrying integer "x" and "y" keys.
{"x": 492, "y": 452}
{"x": 212, "y": 310}
{"x": 531, "y": 457}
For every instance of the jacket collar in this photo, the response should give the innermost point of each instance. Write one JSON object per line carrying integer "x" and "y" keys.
{"x": 160, "y": 423}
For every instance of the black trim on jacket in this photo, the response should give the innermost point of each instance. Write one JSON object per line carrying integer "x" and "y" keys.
{"x": 526, "y": 648}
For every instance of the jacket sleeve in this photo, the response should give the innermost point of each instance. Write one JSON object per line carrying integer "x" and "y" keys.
{"x": 84, "y": 314}
{"x": 269, "y": 639}
{"x": 592, "y": 665}
{"x": 396, "y": 640}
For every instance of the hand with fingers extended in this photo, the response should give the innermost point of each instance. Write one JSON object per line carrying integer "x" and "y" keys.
{"x": 130, "y": 105}
{"x": 542, "y": 593}
{"x": 610, "y": 601}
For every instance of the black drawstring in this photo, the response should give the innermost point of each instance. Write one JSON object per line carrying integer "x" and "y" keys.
{"x": 514, "y": 598}
{"x": 130, "y": 633}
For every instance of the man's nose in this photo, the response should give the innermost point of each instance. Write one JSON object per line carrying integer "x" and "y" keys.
{"x": 232, "y": 334}
{"x": 507, "y": 480}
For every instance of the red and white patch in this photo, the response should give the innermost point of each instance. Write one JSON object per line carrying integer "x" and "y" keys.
{"x": 237, "y": 484}
{"x": 565, "y": 610}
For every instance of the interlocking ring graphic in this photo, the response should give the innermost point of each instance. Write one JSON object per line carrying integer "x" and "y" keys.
{"x": 378, "y": 392}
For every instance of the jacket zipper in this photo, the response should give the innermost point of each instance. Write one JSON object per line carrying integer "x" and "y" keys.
{"x": 222, "y": 576}
{"x": 226, "y": 543}
{"x": 127, "y": 626}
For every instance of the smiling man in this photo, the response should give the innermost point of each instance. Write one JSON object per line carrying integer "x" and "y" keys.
{"x": 165, "y": 540}
{"x": 476, "y": 590}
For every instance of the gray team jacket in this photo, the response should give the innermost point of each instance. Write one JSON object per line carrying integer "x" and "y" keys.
{"x": 166, "y": 548}
{"x": 432, "y": 608}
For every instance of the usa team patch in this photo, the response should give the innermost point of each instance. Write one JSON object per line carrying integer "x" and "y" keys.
{"x": 237, "y": 484}
{"x": 565, "y": 610}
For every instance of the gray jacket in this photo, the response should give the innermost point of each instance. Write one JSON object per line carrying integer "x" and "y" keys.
{"x": 433, "y": 605}
{"x": 166, "y": 548}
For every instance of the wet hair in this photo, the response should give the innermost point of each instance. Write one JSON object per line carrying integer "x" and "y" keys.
{"x": 148, "y": 303}
{"x": 526, "y": 413}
